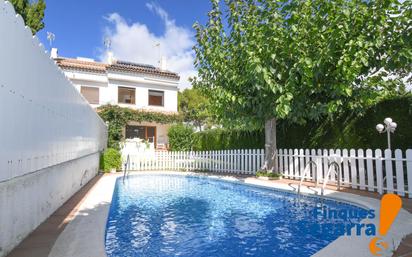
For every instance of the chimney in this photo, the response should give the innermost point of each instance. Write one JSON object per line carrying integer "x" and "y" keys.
{"x": 110, "y": 58}
{"x": 163, "y": 63}
{"x": 54, "y": 53}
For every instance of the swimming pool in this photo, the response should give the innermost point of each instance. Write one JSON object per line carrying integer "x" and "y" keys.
{"x": 174, "y": 215}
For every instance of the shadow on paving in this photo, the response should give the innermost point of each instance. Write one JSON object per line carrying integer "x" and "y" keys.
{"x": 40, "y": 242}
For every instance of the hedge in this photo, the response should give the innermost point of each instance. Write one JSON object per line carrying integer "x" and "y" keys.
{"x": 347, "y": 131}
{"x": 354, "y": 131}
{"x": 221, "y": 139}
{"x": 180, "y": 137}
{"x": 110, "y": 159}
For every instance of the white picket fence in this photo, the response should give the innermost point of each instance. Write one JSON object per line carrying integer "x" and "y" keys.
{"x": 227, "y": 161}
{"x": 375, "y": 171}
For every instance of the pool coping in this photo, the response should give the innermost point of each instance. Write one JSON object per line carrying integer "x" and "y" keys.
{"x": 84, "y": 236}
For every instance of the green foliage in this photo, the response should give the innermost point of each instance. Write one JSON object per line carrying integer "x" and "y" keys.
{"x": 354, "y": 131}
{"x": 180, "y": 137}
{"x": 31, "y": 12}
{"x": 264, "y": 173}
{"x": 118, "y": 118}
{"x": 301, "y": 60}
{"x": 224, "y": 139}
{"x": 110, "y": 159}
{"x": 194, "y": 107}
{"x": 348, "y": 130}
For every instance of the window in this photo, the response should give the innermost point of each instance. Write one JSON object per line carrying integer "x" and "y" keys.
{"x": 135, "y": 132}
{"x": 142, "y": 132}
{"x": 91, "y": 94}
{"x": 127, "y": 95}
{"x": 156, "y": 98}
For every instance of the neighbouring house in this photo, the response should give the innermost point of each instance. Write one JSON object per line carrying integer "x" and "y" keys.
{"x": 126, "y": 84}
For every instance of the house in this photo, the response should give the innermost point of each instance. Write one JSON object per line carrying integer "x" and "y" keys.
{"x": 126, "y": 84}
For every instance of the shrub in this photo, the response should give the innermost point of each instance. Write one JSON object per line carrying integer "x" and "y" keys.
{"x": 353, "y": 131}
{"x": 110, "y": 159}
{"x": 180, "y": 137}
{"x": 264, "y": 173}
{"x": 223, "y": 139}
{"x": 346, "y": 131}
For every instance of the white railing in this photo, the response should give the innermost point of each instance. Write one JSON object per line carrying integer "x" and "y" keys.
{"x": 375, "y": 171}
{"x": 225, "y": 161}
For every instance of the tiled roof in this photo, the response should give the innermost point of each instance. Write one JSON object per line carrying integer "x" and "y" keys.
{"x": 91, "y": 66}
{"x": 141, "y": 68}
{"x": 76, "y": 64}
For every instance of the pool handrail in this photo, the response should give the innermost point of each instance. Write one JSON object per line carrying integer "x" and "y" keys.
{"x": 126, "y": 165}
{"x": 336, "y": 165}
{"x": 307, "y": 168}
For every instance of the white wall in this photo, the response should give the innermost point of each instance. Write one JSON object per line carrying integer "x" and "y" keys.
{"x": 45, "y": 121}
{"x": 108, "y": 89}
{"x": 142, "y": 95}
{"x": 49, "y": 134}
{"x": 28, "y": 200}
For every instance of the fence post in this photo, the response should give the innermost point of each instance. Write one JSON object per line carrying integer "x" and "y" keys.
{"x": 286, "y": 163}
{"x": 208, "y": 161}
{"x": 316, "y": 167}
{"x": 301, "y": 161}
{"x": 236, "y": 161}
{"x": 253, "y": 155}
{"x": 291, "y": 169}
{"x": 400, "y": 188}
{"x": 242, "y": 161}
{"x": 281, "y": 170}
{"x": 379, "y": 173}
{"x": 249, "y": 161}
{"x": 361, "y": 162}
{"x": 231, "y": 160}
{"x": 353, "y": 168}
{"x": 409, "y": 171}
{"x": 389, "y": 171}
{"x": 369, "y": 168}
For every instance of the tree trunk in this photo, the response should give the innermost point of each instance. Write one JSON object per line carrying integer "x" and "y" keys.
{"x": 270, "y": 146}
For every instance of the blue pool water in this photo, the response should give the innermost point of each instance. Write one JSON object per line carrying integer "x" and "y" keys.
{"x": 171, "y": 215}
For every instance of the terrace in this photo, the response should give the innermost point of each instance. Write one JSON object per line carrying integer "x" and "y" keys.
{"x": 56, "y": 202}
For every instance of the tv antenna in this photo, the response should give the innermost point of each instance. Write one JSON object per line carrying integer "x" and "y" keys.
{"x": 107, "y": 43}
{"x": 51, "y": 37}
{"x": 158, "y": 52}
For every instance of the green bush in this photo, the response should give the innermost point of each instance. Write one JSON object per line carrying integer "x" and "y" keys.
{"x": 110, "y": 159}
{"x": 353, "y": 131}
{"x": 346, "y": 131}
{"x": 264, "y": 173}
{"x": 180, "y": 137}
{"x": 222, "y": 139}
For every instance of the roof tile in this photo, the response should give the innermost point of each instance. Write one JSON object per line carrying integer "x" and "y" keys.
{"x": 89, "y": 66}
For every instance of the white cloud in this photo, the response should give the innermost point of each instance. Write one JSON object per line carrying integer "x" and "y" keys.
{"x": 136, "y": 43}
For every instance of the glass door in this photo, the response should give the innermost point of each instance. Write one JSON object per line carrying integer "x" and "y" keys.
{"x": 142, "y": 132}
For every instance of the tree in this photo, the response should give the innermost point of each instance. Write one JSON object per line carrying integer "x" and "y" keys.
{"x": 194, "y": 107}
{"x": 31, "y": 12}
{"x": 263, "y": 60}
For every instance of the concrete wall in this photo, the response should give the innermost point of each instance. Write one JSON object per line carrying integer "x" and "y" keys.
{"x": 50, "y": 137}
{"x": 26, "y": 201}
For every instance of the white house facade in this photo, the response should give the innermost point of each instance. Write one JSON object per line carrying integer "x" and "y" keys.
{"x": 131, "y": 85}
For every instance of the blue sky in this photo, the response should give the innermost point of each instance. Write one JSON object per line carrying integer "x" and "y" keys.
{"x": 133, "y": 26}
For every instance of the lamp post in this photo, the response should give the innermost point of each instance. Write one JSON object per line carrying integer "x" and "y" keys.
{"x": 389, "y": 128}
